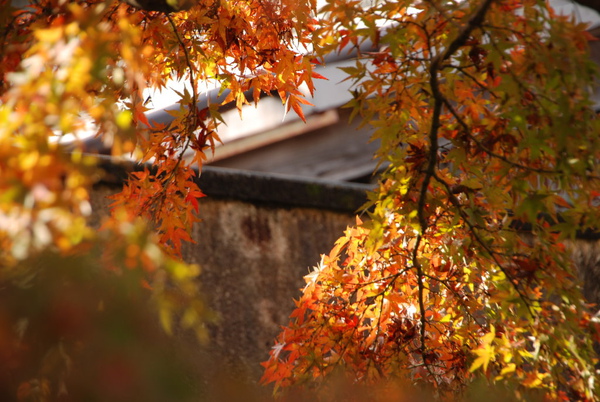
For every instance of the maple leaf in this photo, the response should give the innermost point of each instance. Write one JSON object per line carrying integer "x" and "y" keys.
{"x": 65, "y": 66}
{"x": 467, "y": 117}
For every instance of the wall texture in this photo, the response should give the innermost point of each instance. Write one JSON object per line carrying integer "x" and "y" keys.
{"x": 259, "y": 235}
{"x": 253, "y": 260}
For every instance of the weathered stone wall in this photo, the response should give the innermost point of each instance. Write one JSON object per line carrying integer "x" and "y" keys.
{"x": 253, "y": 260}
{"x": 254, "y": 251}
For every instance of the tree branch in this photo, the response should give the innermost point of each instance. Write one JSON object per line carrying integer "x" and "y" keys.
{"x": 438, "y": 101}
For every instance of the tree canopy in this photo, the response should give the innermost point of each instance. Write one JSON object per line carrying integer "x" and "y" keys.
{"x": 70, "y": 67}
{"x": 461, "y": 270}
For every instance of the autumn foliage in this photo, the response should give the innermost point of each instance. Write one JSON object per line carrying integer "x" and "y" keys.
{"x": 461, "y": 271}
{"x": 459, "y": 276}
{"x": 72, "y": 67}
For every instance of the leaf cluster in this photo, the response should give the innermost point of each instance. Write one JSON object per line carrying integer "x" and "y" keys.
{"x": 74, "y": 69}
{"x": 483, "y": 139}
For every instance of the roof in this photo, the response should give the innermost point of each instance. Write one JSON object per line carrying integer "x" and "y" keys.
{"x": 265, "y": 138}
{"x": 258, "y": 187}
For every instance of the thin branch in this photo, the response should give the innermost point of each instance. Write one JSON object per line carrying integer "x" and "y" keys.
{"x": 474, "y": 22}
{"x": 442, "y": 12}
{"x": 463, "y": 70}
{"x": 436, "y": 65}
{"x": 192, "y": 112}
{"x": 457, "y": 296}
{"x": 467, "y": 131}
{"x": 482, "y": 243}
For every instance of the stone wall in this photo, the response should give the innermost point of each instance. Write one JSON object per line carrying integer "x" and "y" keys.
{"x": 253, "y": 260}
{"x": 259, "y": 235}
